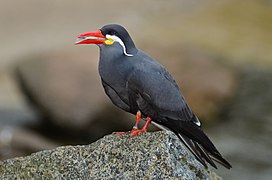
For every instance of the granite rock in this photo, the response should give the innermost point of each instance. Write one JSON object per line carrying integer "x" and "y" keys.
{"x": 157, "y": 155}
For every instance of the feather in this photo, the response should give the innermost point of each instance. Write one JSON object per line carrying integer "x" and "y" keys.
{"x": 199, "y": 144}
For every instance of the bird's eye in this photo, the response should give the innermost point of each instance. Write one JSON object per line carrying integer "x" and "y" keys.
{"x": 113, "y": 33}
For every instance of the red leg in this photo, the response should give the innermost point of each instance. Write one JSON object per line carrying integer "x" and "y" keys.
{"x": 144, "y": 129}
{"x": 135, "y": 127}
{"x": 138, "y": 119}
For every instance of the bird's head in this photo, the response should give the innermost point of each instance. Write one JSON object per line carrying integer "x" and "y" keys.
{"x": 107, "y": 36}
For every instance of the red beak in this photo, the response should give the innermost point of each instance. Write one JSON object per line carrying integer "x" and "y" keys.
{"x": 94, "y": 37}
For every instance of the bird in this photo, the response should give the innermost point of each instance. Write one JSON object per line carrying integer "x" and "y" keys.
{"x": 140, "y": 85}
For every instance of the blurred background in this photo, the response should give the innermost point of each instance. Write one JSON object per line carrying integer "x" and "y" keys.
{"x": 219, "y": 52}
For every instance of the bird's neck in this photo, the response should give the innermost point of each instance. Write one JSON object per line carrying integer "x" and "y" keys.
{"x": 130, "y": 46}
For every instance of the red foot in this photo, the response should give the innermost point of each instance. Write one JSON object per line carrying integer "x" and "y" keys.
{"x": 121, "y": 132}
{"x": 135, "y": 132}
{"x": 144, "y": 129}
{"x": 128, "y": 132}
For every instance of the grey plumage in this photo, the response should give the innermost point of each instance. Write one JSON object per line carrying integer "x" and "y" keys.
{"x": 139, "y": 82}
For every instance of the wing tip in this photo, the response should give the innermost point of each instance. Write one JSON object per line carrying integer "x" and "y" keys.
{"x": 219, "y": 159}
{"x": 203, "y": 155}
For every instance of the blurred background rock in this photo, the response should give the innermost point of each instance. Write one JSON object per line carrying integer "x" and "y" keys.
{"x": 219, "y": 52}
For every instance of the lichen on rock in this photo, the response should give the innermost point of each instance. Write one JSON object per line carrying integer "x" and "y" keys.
{"x": 157, "y": 155}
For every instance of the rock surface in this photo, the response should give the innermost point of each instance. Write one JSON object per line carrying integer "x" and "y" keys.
{"x": 114, "y": 156}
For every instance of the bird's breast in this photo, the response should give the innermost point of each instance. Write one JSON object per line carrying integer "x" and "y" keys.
{"x": 115, "y": 73}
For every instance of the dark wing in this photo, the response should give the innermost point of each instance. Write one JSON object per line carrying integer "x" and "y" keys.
{"x": 158, "y": 90}
{"x": 158, "y": 96}
{"x": 115, "y": 98}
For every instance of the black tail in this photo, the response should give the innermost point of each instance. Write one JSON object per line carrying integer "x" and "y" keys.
{"x": 198, "y": 143}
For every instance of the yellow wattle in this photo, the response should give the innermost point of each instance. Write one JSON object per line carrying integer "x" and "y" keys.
{"x": 109, "y": 41}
